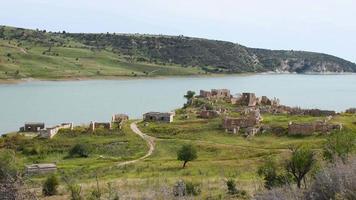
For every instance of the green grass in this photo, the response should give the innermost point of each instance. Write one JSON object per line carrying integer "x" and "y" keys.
{"x": 107, "y": 149}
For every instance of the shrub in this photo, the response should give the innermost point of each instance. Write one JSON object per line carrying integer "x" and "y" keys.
{"x": 270, "y": 175}
{"x": 192, "y": 188}
{"x": 283, "y": 193}
{"x": 339, "y": 145}
{"x": 79, "y": 150}
{"x": 8, "y": 165}
{"x": 231, "y": 186}
{"x": 50, "y": 186}
{"x": 75, "y": 191}
{"x": 338, "y": 181}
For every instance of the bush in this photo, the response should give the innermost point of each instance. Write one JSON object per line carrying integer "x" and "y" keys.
{"x": 8, "y": 165}
{"x": 339, "y": 145}
{"x": 338, "y": 181}
{"x": 50, "y": 186}
{"x": 192, "y": 188}
{"x": 283, "y": 193}
{"x": 270, "y": 175}
{"x": 231, "y": 187}
{"x": 79, "y": 150}
{"x": 75, "y": 191}
{"x": 35, "y": 150}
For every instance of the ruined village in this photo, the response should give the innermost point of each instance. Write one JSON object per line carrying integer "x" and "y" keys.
{"x": 209, "y": 118}
{"x": 240, "y": 114}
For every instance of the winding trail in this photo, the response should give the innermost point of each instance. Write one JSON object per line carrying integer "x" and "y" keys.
{"x": 150, "y": 143}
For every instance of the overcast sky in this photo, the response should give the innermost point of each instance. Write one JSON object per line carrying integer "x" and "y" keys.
{"x": 327, "y": 26}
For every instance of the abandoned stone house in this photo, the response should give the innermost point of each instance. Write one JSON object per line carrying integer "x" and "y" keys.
{"x": 252, "y": 119}
{"x": 94, "y": 125}
{"x": 40, "y": 168}
{"x": 207, "y": 114}
{"x": 159, "y": 116}
{"x": 118, "y": 118}
{"x": 319, "y": 113}
{"x": 351, "y": 111}
{"x": 50, "y": 132}
{"x": 248, "y": 99}
{"x": 311, "y": 128}
{"x": 205, "y": 94}
{"x": 269, "y": 102}
{"x": 215, "y": 93}
{"x": 221, "y": 93}
{"x": 32, "y": 127}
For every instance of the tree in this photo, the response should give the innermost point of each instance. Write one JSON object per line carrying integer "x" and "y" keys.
{"x": 270, "y": 175}
{"x": 50, "y": 186}
{"x": 339, "y": 145}
{"x": 189, "y": 95}
{"x": 79, "y": 150}
{"x": 301, "y": 162}
{"x": 187, "y": 153}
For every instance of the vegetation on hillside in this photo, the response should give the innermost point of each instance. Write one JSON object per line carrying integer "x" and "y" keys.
{"x": 28, "y": 53}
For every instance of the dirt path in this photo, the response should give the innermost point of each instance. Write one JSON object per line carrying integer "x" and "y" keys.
{"x": 148, "y": 139}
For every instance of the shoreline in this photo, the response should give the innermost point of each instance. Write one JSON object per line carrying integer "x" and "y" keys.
{"x": 64, "y": 79}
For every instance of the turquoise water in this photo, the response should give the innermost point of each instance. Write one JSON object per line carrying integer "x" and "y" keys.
{"x": 82, "y": 101}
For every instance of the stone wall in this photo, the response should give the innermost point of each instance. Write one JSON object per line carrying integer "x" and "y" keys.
{"x": 94, "y": 125}
{"x": 207, "y": 114}
{"x": 312, "y": 128}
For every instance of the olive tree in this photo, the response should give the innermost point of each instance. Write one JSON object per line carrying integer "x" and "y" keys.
{"x": 187, "y": 153}
{"x": 301, "y": 162}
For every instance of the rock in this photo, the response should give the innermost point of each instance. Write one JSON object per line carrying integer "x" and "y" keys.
{"x": 179, "y": 189}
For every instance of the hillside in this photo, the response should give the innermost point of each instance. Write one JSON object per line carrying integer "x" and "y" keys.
{"x": 28, "y": 53}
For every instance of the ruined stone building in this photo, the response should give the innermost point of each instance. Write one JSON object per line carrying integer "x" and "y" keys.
{"x": 319, "y": 113}
{"x": 207, "y": 114}
{"x": 159, "y": 116}
{"x": 32, "y": 127}
{"x": 269, "y": 102}
{"x": 351, "y": 111}
{"x": 248, "y": 99}
{"x": 94, "y": 125}
{"x": 40, "y": 168}
{"x": 215, "y": 93}
{"x": 251, "y": 120}
{"x": 312, "y": 127}
{"x": 221, "y": 93}
{"x": 50, "y": 132}
{"x": 205, "y": 94}
{"x": 119, "y": 119}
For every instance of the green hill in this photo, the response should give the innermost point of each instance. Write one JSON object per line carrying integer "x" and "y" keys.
{"x": 28, "y": 53}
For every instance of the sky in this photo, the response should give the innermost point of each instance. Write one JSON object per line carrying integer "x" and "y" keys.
{"x": 327, "y": 26}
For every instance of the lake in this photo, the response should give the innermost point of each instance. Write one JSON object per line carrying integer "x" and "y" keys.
{"x": 80, "y": 102}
